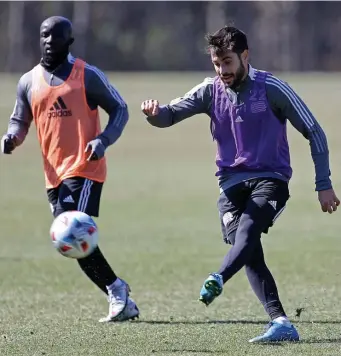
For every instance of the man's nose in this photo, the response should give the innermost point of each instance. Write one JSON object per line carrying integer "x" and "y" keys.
{"x": 48, "y": 39}
{"x": 223, "y": 70}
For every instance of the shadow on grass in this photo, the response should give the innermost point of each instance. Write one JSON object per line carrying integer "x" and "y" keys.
{"x": 274, "y": 344}
{"x": 181, "y": 351}
{"x": 321, "y": 341}
{"x": 206, "y": 351}
{"x": 246, "y": 322}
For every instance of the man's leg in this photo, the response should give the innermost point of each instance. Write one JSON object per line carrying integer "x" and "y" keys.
{"x": 84, "y": 195}
{"x": 52, "y": 197}
{"x": 276, "y": 194}
{"x": 231, "y": 205}
{"x": 267, "y": 201}
{"x": 263, "y": 284}
{"x": 247, "y": 237}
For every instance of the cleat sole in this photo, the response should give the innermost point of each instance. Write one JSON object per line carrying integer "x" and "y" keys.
{"x": 213, "y": 287}
{"x": 203, "y": 300}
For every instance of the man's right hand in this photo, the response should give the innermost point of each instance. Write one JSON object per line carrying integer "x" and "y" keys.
{"x": 150, "y": 107}
{"x": 8, "y": 144}
{"x": 328, "y": 200}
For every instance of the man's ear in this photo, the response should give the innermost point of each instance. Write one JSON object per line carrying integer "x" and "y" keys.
{"x": 245, "y": 55}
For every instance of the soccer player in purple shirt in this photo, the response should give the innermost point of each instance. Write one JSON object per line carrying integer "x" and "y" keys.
{"x": 249, "y": 110}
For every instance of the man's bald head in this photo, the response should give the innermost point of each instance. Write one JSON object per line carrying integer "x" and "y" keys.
{"x": 55, "y": 40}
{"x": 57, "y": 22}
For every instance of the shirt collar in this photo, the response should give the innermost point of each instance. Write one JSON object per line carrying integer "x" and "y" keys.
{"x": 251, "y": 72}
{"x": 70, "y": 57}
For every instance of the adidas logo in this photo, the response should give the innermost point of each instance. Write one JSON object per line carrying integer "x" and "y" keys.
{"x": 68, "y": 199}
{"x": 273, "y": 203}
{"x": 59, "y": 109}
{"x": 239, "y": 119}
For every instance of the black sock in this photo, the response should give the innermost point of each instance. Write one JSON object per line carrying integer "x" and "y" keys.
{"x": 263, "y": 284}
{"x": 96, "y": 267}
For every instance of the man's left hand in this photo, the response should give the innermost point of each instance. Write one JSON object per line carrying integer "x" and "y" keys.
{"x": 328, "y": 200}
{"x": 96, "y": 149}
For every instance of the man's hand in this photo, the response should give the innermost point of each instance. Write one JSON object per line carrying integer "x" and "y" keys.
{"x": 328, "y": 200}
{"x": 96, "y": 149}
{"x": 8, "y": 144}
{"x": 150, "y": 107}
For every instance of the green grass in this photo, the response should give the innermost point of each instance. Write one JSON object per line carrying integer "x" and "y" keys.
{"x": 160, "y": 230}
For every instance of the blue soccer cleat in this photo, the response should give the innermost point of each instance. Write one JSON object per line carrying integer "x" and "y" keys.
{"x": 212, "y": 288}
{"x": 277, "y": 332}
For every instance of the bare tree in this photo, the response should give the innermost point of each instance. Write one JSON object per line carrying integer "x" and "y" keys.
{"x": 81, "y": 22}
{"x": 15, "y": 34}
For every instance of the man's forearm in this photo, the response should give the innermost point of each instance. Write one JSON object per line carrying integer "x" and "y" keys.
{"x": 116, "y": 124}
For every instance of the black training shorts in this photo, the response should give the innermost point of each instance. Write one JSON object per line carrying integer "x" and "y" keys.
{"x": 76, "y": 193}
{"x": 263, "y": 198}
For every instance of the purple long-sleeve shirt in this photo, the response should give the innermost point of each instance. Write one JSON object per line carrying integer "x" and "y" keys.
{"x": 285, "y": 104}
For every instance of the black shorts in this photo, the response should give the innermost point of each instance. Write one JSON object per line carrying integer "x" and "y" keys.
{"x": 265, "y": 198}
{"x": 76, "y": 193}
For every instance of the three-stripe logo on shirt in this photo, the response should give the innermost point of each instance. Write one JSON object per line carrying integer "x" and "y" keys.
{"x": 59, "y": 109}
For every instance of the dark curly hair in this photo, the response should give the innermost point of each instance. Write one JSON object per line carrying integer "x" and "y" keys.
{"x": 227, "y": 38}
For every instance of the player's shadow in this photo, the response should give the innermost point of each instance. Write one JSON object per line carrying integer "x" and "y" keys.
{"x": 321, "y": 341}
{"x": 268, "y": 344}
{"x": 189, "y": 322}
{"x": 305, "y": 341}
{"x": 246, "y": 322}
{"x": 204, "y": 351}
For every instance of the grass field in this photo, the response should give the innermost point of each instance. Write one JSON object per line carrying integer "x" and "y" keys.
{"x": 160, "y": 230}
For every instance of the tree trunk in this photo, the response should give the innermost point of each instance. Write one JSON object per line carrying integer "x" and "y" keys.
{"x": 15, "y": 35}
{"x": 81, "y": 22}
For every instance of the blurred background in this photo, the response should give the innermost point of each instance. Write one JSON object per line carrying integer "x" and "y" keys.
{"x": 169, "y": 35}
{"x": 159, "y": 225}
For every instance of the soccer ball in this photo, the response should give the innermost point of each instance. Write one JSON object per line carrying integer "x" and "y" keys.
{"x": 74, "y": 234}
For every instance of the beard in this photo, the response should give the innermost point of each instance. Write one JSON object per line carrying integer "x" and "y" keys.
{"x": 238, "y": 76}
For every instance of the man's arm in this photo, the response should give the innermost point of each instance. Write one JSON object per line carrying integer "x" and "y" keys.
{"x": 101, "y": 93}
{"x": 21, "y": 118}
{"x": 286, "y": 104}
{"x": 196, "y": 101}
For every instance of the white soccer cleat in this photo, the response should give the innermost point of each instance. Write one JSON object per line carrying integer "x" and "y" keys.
{"x": 130, "y": 312}
{"x": 118, "y": 294}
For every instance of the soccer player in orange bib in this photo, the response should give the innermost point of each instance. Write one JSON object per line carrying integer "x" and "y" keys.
{"x": 62, "y": 95}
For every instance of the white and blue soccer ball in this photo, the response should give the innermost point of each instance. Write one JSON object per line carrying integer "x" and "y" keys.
{"x": 74, "y": 234}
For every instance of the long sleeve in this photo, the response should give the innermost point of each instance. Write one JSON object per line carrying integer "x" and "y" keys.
{"x": 196, "y": 101}
{"x": 21, "y": 118}
{"x": 289, "y": 105}
{"x": 101, "y": 93}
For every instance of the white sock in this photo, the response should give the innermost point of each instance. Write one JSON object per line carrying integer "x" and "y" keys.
{"x": 283, "y": 320}
{"x": 116, "y": 284}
